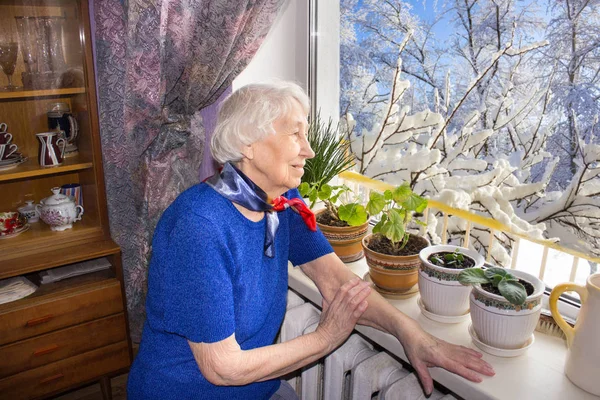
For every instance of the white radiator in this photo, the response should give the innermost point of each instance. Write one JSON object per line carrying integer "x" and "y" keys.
{"x": 355, "y": 371}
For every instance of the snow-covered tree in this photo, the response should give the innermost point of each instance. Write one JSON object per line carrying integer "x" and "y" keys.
{"x": 574, "y": 60}
{"x": 448, "y": 164}
{"x": 476, "y": 128}
{"x": 483, "y": 27}
{"x": 574, "y": 214}
{"x": 372, "y": 33}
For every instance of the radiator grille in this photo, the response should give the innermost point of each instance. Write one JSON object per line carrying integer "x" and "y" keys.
{"x": 355, "y": 371}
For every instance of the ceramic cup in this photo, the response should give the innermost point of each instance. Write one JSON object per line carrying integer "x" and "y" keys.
{"x": 3, "y": 127}
{"x": 73, "y": 190}
{"x": 9, "y": 221}
{"x": 7, "y": 150}
{"x": 5, "y": 137}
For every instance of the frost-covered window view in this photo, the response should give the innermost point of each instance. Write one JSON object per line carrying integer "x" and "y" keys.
{"x": 485, "y": 105}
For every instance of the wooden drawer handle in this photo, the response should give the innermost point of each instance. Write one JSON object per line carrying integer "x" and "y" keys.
{"x": 40, "y": 320}
{"x": 52, "y": 378}
{"x": 50, "y": 349}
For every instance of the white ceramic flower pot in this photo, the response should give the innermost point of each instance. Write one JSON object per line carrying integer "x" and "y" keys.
{"x": 502, "y": 325}
{"x": 441, "y": 293}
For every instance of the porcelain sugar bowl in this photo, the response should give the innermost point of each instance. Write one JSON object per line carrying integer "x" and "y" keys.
{"x": 59, "y": 211}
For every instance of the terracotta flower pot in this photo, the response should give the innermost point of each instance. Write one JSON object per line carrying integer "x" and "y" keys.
{"x": 346, "y": 240}
{"x": 392, "y": 273}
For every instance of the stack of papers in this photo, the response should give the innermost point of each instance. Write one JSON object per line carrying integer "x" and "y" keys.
{"x": 16, "y": 288}
{"x": 57, "y": 274}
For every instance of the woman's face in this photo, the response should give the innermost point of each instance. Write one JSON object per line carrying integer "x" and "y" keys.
{"x": 276, "y": 163}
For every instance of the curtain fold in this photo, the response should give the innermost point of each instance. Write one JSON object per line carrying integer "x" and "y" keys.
{"x": 159, "y": 63}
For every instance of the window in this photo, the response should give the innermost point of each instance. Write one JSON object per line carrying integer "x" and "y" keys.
{"x": 486, "y": 105}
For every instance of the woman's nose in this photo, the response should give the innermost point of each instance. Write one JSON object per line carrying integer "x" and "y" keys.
{"x": 306, "y": 151}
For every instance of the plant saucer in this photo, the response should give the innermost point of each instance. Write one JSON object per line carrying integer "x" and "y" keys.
{"x": 499, "y": 352}
{"x": 388, "y": 294}
{"x": 444, "y": 319}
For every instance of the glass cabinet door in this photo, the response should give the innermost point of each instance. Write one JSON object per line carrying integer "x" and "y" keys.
{"x": 48, "y": 119}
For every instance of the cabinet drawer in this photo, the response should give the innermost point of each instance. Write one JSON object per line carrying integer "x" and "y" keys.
{"x": 54, "y": 346}
{"x": 65, "y": 373}
{"x": 48, "y": 313}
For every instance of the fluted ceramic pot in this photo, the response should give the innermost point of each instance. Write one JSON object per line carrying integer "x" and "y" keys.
{"x": 345, "y": 240}
{"x": 441, "y": 293}
{"x": 392, "y": 273}
{"x": 500, "y": 324}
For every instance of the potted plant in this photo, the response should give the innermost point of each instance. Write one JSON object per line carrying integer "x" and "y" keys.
{"x": 343, "y": 225}
{"x": 392, "y": 252}
{"x": 332, "y": 153}
{"x": 332, "y": 157}
{"x": 441, "y": 292}
{"x": 505, "y": 306}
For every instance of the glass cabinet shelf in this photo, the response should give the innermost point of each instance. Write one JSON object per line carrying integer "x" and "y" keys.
{"x": 31, "y": 169}
{"x": 25, "y": 94}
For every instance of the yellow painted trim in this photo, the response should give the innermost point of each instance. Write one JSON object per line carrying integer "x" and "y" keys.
{"x": 466, "y": 215}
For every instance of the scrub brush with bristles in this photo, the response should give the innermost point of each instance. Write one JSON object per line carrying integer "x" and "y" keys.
{"x": 548, "y": 326}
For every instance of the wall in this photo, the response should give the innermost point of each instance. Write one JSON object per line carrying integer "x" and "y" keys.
{"x": 284, "y": 53}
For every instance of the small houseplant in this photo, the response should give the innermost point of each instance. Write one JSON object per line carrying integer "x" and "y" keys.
{"x": 332, "y": 153}
{"x": 505, "y": 306}
{"x": 332, "y": 157}
{"x": 344, "y": 223}
{"x": 392, "y": 252}
{"x": 441, "y": 292}
{"x": 448, "y": 258}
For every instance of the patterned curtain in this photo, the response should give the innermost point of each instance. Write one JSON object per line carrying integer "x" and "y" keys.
{"x": 159, "y": 63}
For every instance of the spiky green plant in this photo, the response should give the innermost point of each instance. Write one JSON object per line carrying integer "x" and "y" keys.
{"x": 332, "y": 153}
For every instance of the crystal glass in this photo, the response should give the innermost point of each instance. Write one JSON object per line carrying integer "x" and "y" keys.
{"x": 41, "y": 40}
{"x": 8, "y": 61}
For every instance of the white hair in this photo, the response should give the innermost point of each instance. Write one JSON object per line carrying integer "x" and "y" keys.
{"x": 247, "y": 115}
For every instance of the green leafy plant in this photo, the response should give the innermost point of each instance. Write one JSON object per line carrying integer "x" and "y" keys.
{"x": 353, "y": 213}
{"x": 396, "y": 209}
{"x": 332, "y": 153}
{"x": 508, "y": 285}
{"x": 455, "y": 259}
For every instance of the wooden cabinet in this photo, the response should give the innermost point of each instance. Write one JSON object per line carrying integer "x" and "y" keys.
{"x": 71, "y": 332}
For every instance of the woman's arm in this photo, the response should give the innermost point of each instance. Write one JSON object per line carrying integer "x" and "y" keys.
{"x": 422, "y": 349}
{"x": 225, "y": 363}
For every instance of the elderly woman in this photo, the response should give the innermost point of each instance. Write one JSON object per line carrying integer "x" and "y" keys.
{"x": 218, "y": 276}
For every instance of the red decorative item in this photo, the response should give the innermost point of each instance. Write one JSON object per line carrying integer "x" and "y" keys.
{"x": 9, "y": 222}
{"x": 281, "y": 203}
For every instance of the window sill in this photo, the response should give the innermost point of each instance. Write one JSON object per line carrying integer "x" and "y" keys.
{"x": 535, "y": 375}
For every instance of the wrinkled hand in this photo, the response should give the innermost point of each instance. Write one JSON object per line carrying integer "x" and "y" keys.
{"x": 341, "y": 315}
{"x": 424, "y": 350}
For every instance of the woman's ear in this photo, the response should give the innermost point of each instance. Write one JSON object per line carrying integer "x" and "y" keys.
{"x": 248, "y": 152}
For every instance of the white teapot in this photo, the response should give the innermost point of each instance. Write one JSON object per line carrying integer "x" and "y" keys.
{"x": 59, "y": 211}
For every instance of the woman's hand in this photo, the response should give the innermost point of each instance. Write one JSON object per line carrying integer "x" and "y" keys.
{"x": 339, "y": 318}
{"x": 424, "y": 350}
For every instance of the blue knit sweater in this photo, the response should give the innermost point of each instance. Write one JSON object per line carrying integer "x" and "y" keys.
{"x": 209, "y": 278}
